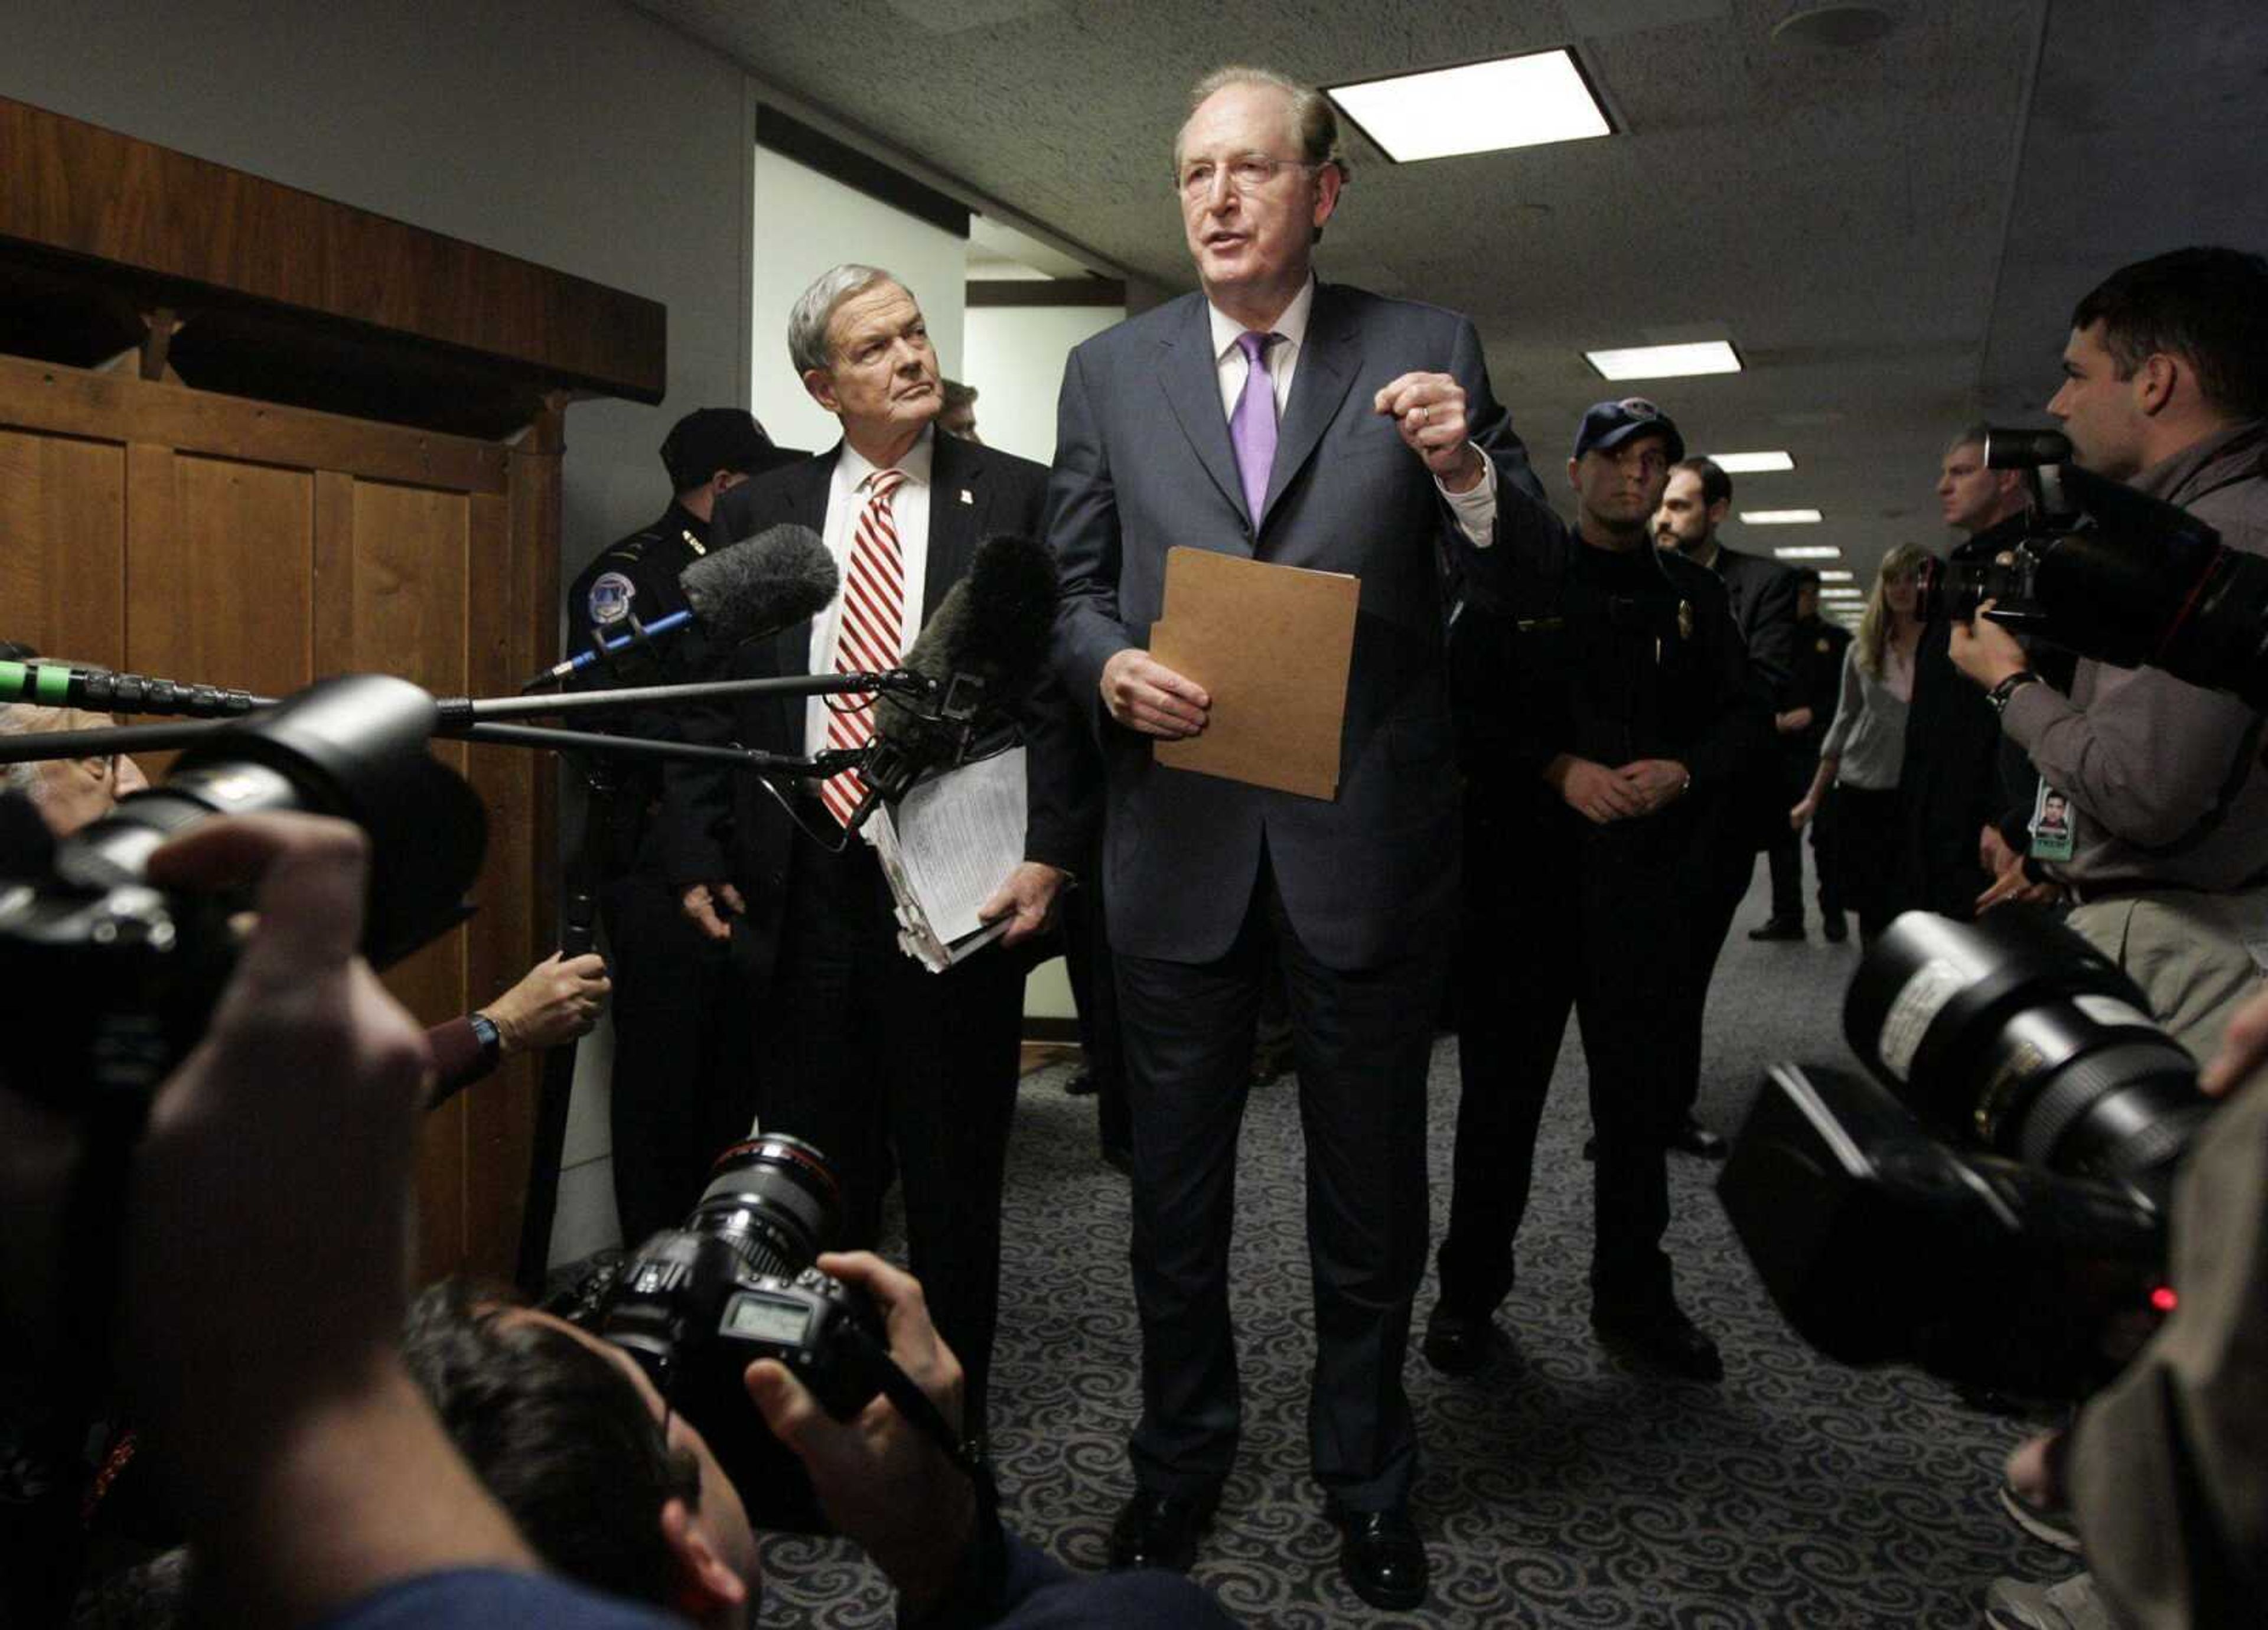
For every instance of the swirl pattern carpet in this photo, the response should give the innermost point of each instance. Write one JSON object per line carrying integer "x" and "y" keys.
{"x": 1563, "y": 1490}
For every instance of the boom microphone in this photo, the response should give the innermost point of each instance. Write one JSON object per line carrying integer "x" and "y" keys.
{"x": 97, "y": 690}
{"x": 772, "y": 581}
{"x": 983, "y": 647}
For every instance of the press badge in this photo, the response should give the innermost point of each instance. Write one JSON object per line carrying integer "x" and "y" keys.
{"x": 2051, "y": 834}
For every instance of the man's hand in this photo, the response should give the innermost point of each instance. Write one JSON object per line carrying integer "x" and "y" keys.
{"x": 1429, "y": 410}
{"x": 1593, "y": 791}
{"x": 1993, "y": 855}
{"x": 1144, "y": 693}
{"x": 1799, "y": 817}
{"x": 2242, "y": 1050}
{"x": 1030, "y": 893}
{"x": 1794, "y": 722}
{"x": 700, "y": 903}
{"x": 2010, "y": 883}
{"x": 555, "y": 1001}
{"x": 1984, "y": 651}
{"x": 880, "y": 1479}
{"x": 1656, "y": 781}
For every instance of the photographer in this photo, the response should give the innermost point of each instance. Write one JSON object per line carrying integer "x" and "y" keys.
{"x": 258, "y": 1290}
{"x": 616, "y": 1490}
{"x": 2165, "y": 851}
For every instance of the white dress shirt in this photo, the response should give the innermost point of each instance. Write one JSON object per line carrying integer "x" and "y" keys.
{"x": 1475, "y": 510}
{"x": 846, "y": 496}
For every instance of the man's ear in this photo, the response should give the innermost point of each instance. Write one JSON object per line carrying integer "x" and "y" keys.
{"x": 821, "y": 388}
{"x": 702, "y": 1581}
{"x": 1717, "y": 511}
{"x": 2155, "y": 380}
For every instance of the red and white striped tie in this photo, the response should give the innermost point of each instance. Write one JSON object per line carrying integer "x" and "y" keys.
{"x": 869, "y": 638}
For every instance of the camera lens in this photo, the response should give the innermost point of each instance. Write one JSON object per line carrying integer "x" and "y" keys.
{"x": 774, "y": 1199}
{"x": 2015, "y": 1036}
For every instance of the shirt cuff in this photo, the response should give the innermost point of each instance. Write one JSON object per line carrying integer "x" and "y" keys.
{"x": 1474, "y": 509}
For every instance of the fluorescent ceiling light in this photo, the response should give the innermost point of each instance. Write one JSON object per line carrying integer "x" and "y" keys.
{"x": 1513, "y": 101}
{"x": 1752, "y": 463}
{"x": 1835, "y": 577}
{"x": 1840, "y": 594}
{"x": 1780, "y": 517}
{"x": 1811, "y": 551}
{"x": 1665, "y": 361}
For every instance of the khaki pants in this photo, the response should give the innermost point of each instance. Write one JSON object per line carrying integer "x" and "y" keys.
{"x": 2190, "y": 953}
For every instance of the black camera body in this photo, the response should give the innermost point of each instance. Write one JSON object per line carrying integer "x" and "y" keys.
{"x": 697, "y": 1305}
{"x": 1994, "y": 1210}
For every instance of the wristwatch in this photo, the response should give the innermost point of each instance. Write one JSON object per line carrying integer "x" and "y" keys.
{"x": 491, "y": 1038}
{"x": 1999, "y": 694}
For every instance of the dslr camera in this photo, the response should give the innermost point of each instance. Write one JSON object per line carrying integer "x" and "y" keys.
{"x": 2102, "y": 570}
{"x": 697, "y": 1305}
{"x": 1992, "y": 1205}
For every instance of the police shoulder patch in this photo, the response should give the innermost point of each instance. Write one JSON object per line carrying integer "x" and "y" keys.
{"x": 611, "y": 594}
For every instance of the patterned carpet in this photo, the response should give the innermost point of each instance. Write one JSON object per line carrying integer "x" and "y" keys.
{"x": 1564, "y": 1491}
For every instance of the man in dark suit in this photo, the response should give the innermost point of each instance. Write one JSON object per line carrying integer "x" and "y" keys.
{"x": 1310, "y": 426}
{"x": 1819, "y": 647}
{"x": 1694, "y": 506}
{"x": 859, "y": 1043}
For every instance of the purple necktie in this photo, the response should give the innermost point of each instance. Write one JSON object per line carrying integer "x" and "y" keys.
{"x": 1252, "y": 427}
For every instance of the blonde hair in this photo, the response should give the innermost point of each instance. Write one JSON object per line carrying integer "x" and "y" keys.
{"x": 1875, "y": 626}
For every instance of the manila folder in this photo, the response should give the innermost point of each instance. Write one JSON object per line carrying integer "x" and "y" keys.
{"x": 1271, "y": 645}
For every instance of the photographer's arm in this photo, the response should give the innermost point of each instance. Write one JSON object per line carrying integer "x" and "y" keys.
{"x": 263, "y": 1281}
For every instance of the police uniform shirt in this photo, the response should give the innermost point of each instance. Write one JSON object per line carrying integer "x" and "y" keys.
{"x": 638, "y": 578}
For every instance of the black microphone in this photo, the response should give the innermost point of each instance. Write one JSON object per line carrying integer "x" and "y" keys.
{"x": 985, "y": 644}
{"x": 773, "y": 580}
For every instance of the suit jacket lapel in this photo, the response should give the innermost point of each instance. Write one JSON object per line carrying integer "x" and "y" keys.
{"x": 954, "y": 467}
{"x": 1327, "y": 367}
{"x": 1191, "y": 382}
{"x": 805, "y": 490}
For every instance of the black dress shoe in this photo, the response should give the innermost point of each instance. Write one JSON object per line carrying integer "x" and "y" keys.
{"x": 1692, "y": 1138}
{"x": 1383, "y": 1557}
{"x": 1660, "y": 1337}
{"x": 1777, "y": 928}
{"x": 1080, "y": 1086}
{"x": 1458, "y": 1345}
{"x": 1159, "y": 1530}
{"x": 1835, "y": 928}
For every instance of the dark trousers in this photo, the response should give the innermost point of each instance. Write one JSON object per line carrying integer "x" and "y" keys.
{"x": 1362, "y": 1041}
{"x": 683, "y": 1078}
{"x": 1869, "y": 836}
{"x": 873, "y": 1054}
{"x": 1094, "y": 996}
{"x": 1713, "y": 881}
{"x": 1604, "y": 938}
{"x": 1785, "y": 848}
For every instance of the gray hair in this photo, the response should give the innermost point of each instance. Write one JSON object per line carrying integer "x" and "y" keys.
{"x": 1313, "y": 120}
{"x": 28, "y": 718}
{"x": 807, "y": 324}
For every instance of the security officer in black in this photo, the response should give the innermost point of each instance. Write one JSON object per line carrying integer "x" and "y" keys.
{"x": 1819, "y": 647}
{"x": 1605, "y": 709}
{"x": 683, "y": 1081}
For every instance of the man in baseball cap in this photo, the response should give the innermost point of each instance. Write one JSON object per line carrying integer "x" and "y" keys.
{"x": 1608, "y": 424}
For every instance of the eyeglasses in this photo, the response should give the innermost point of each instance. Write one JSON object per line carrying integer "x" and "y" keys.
{"x": 1247, "y": 173}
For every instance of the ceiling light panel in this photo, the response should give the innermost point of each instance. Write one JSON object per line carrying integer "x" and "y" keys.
{"x": 1752, "y": 463}
{"x": 1665, "y": 361}
{"x": 1780, "y": 517}
{"x": 1513, "y": 101}
{"x": 1835, "y": 577}
{"x": 1811, "y": 551}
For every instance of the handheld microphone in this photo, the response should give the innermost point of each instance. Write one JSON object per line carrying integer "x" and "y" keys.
{"x": 772, "y": 581}
{"x": 95, "y": 691}
{"x": 983, "y": 647}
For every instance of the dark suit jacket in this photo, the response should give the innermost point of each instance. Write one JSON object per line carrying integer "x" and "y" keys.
{"x": 1762, "y": 594}
{"x": 721, "y": 824}
{"x": 1144, "y": 464}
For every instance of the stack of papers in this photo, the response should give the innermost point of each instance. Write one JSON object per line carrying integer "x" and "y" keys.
{"x": 947, "y": 847}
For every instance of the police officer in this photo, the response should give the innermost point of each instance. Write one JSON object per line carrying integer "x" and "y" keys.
{"x": 682, "y": 1082}
{"x": 1605, "y": 713}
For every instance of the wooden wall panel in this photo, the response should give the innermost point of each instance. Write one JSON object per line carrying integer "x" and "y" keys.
{"x": 220, "y": 571}
{"x": 63, "y": 545}
{"x": 265, "y": 571}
